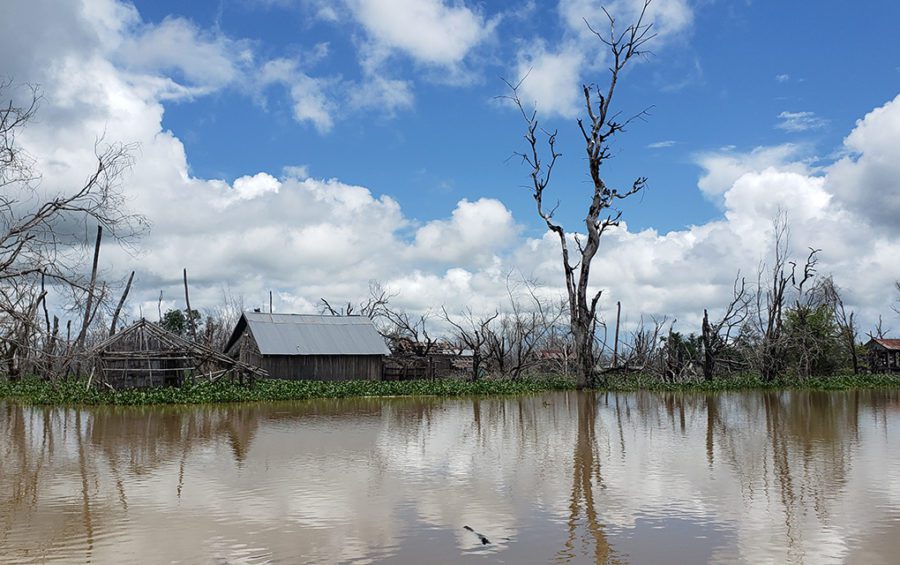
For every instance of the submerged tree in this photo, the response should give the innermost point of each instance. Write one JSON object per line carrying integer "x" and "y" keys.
{"x": 600, "y": 126}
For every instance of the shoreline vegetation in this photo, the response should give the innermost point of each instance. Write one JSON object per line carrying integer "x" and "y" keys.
{"x": 76, "y": 392}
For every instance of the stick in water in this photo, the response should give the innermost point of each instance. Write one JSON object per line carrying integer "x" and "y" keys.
{"x": 484, "y": 540}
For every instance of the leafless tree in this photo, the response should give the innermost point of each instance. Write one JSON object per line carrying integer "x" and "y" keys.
{"x": 41, "y": 241}
{"x": 516, "y": 338}
{"x": 846, "y": 321}
{"x": 773, "y": 300}
{"x": 472, "y": 331}
{"x": 718, "y": 336}
{"x": 642, "y": 348}
{"x": 222, "y": 319}
{"x": 374, "y": 307}
{"x": 896, "y": 306}
{"x": 601, "y": 125}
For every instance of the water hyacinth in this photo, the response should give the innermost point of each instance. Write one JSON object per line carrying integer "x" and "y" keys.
{"x": 76, "y": 391}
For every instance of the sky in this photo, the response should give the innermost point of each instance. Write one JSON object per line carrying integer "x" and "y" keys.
{"x": 309, "y": 147}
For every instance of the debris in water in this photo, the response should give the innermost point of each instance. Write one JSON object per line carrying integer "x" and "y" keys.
{"x": 484, "y": 540}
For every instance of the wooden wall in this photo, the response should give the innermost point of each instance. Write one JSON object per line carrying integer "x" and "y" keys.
{"x": 323, "y": 367}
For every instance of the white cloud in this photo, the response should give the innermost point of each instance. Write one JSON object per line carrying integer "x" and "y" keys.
{"x": 662, "y": 144}
{"x": 550, "y": 79}
{"x": 309, "y": 238}
{"x": 867, "y": 180}
{"x": 783, "y": 77}
{"x": 475, "y": 232}
{"x": 429, "y": 31}
{"x": 311, "y": 102}
{"x": 206, "y": 61}
{"x": 724, "y": 167}
{"x": 800, "y": 121}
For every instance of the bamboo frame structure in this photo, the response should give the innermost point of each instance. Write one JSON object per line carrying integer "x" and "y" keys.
{"x": 144, "y": 355}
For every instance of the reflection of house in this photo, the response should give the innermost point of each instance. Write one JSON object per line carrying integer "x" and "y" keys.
{"x": 300, "y": 346}
{"x": 884, "y": 355}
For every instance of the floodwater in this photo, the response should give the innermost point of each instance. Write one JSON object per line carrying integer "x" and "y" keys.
{"x": 754, "y": 477}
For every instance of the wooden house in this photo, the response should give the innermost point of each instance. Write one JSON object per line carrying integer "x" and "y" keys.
{"x": 884, "y": 355}
{"x": 309, "y": 347}
{"x": 144, "y": 355}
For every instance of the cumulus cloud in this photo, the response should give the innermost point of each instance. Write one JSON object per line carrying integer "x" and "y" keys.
{"x": 428, "y": 31}
{"x": 722, "y": 168}
{"x": 867, "y": 179}
{"x": 548, "y": 80}
{"x": 308, "y": 238}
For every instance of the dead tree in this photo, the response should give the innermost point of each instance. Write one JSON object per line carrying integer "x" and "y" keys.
{"x": 846, "y": 321}
{"x": 41, "y": 230}
{"x": 717, "y": 336}
{"x": 772, "y": 305}
{"x": 896, "y": 306}
{"x": 375, "y": 306}
{"x": 472, "y": 332}
{"x": 601, "y": 125}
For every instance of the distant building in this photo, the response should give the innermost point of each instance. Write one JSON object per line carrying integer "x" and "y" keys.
{"x": 309, "y": 347}
{"x": 884, "y": 355}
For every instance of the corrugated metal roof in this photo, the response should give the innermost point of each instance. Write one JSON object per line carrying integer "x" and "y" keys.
{"x": 892, "y": 344}
{"x": 306, "y": 334}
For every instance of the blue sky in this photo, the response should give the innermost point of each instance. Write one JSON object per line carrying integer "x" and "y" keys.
{"x": 309, "y": 147}
{"x": 722, "y": 81}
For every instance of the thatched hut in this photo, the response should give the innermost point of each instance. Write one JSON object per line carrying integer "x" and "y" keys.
{"x": 144, "y": 355}
{"x": 309, "y": 347}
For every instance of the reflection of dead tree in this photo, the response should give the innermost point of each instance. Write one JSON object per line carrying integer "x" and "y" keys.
{"x": 472, "y": 332}
{"x": 586, "y": 477}
{"x": 718, "y": 336}
{"x": 599, "y": 128}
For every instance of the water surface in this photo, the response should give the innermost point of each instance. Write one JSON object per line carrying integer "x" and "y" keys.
{"x": 803, "y": 477}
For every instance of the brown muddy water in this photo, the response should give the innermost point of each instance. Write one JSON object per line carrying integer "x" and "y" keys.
{"x": 754, "y": 477}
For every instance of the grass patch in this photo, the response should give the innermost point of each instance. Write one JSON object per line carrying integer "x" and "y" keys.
{"x": 36, "y": 391}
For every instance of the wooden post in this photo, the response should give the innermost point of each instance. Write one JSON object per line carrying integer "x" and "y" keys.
{"x": 190, "y": 314}
{"x": 615, "y": 359}
{"x": 90, "y": 297}
{"x": 270, "y": 302}
{"x": 115, "y": 319}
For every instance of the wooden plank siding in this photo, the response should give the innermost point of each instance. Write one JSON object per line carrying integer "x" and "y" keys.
{"x": 323, "y": 367}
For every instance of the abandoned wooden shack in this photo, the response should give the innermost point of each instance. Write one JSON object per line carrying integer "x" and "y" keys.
{"x": 410, "y": 360}
{"x": 884, "y": 355}
{"x": 144, "y": 355}
{"x": 309, "y": 347}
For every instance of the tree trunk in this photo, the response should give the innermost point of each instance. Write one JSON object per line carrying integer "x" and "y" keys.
{"x": 708, "y": 357}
